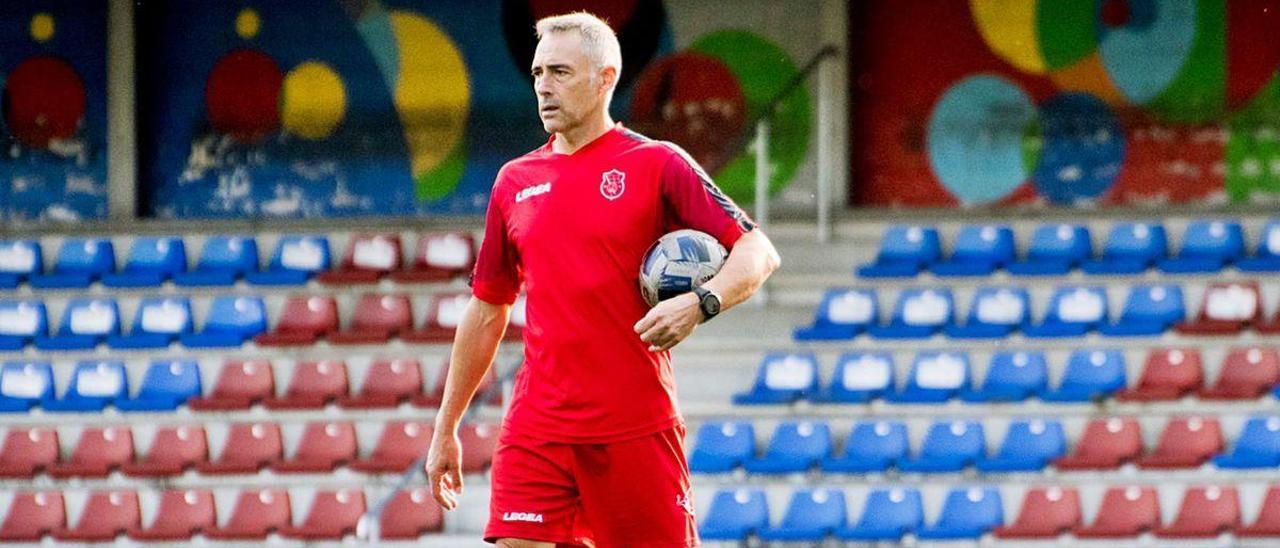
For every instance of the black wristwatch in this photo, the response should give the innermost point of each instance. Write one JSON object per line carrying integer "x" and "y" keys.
{"x": 708, "y": 301}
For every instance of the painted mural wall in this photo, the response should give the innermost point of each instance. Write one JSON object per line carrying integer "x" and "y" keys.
{"x": 1065, "y": 102}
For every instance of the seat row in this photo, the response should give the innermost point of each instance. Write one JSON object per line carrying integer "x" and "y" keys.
{"x": 248, "y": 448}
{"x": 225, "y": 259}
{"x": 1055, "y": 249}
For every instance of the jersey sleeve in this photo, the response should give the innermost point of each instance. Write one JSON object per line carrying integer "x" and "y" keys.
{"x": 693, "y": 200}
{"x": 496, "y": 278}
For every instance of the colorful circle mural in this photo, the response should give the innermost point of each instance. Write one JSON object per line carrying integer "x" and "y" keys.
{"x": 982, "y": 139}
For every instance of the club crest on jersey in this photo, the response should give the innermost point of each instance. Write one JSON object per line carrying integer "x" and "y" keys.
{"x": 613, "y": 183}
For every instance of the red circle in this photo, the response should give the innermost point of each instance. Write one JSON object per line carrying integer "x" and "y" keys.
{"x": 43, "y": 100}
{"x": 695, "y": 101}
{"x": 242, "y": 95}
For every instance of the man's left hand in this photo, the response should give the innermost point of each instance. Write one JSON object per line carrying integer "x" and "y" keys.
{"x": 670, "y": 322}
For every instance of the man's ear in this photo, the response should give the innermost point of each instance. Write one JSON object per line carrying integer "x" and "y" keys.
{"x": 608, "y": 78}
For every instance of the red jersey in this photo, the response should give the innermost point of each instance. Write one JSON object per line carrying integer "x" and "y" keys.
{"x": 574, "y": 228}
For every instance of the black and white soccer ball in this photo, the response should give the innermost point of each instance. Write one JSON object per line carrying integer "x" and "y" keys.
{"x": 678, "y": 262}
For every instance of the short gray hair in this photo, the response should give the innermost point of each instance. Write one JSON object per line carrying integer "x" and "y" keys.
{"x": 598, "y": 40}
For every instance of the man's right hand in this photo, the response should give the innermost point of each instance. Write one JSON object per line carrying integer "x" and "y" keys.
{"x": 444, "y": 468}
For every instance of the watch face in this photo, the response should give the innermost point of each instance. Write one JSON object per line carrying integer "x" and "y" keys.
{"x": 710, "y": 305}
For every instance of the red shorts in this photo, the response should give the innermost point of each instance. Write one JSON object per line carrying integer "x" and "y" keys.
{"x": 627, "y": 493}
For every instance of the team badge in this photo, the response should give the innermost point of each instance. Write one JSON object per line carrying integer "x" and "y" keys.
{"x": 613, "y": 183}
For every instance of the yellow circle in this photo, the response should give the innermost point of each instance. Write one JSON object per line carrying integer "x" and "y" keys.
{"x": 248, "y": 23}
{"x": 432, "y": 92}
{"x": 314, "y": 101}
{"x": 42, "y": 27}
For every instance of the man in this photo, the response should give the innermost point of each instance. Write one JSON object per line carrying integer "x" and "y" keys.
{"x": 591, "y": 452}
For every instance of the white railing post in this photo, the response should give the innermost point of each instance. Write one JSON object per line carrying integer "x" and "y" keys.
{"x": 826, "y": 141}
{"x": 762, "y": 188}
{"x": 122, "y": 168}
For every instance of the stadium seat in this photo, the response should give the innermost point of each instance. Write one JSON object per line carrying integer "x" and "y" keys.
{"x": 25, "y": 384}
{"x": 249, "y": 447}
{"x": 1131, "y": 247}
{"x": 32, "y": 516}
{"x": 332, "y": 515}
{"x": 1011, "y": 376}
{"x": 734, "y": 515}
{"x": 517, "y": 320}
{"x": 812, "y": 515}
{"x": 783, "y": 378}
{"x": 1257, "y": 446}
{"x": 1073, "y": 311}
{"x": 409, "y": 515}
{"x": 979, "y": 250}
{"x": 440, "y": 256}
{"x": 377, "y": 318}
{"x": 1265, "y": 258}
{"x": 1055, "y": 250}
{"x": 478, "y": 443}
{"x": 181, "y": 514}
{"x": 904, "y": 252}
{"x": 1206, "y": 512}
{"x": 860, "y": 377}
{"x": 1106, "y": 444}
{"x": 21, "y": 322}
{"x": 106, "y": 515}
{"x": 887, "y": 515}
{"x": 152, "y": 260}
{"x": 1029, "y": 446}
{"x": 1227, "y": 309}
{"x": 94, "y": 385}
{"x": 323, "y": 447}
{"x": 1125, "y": 512}
{"x": 387, "y": 383}
{"x": 240, "y": 384}
{"x": 166, "y": 385}
{"x": 871, "y": 447}
{"x": 85, "y": 323}
{"x": 443, "y": 315}
{"x": 1207, "y": 246}
{"x": 1267, "y": 523}
{"x": 1186, "y": 442}
{"x": 19, "y": 261}
{"x": 80, "y": 262}
{"x": 935, "y": 377}
{"x": 1148, "y": 310}
{"x": 995, "y": 313}
{"x": 302, "y": 320}
{"x": 949, "y": 446}
{"x": 159, "y": 321}
{"x": 313, "y": 385}
{"x": 223, "y": 260}
{"x": 488, "y": 392}
{"x": 368, "y": 258}
{"x": 918, "y": 314}
{"x": 28, "y": 451}
{"x": 722, "y": 446}
{"x": 795, "y": 447}
{"x": 231, "y": 320}
{"x": 1246, "y": 374}
{"x": 967, "y": 513}
{"x": 1046, "y": 513}
{"x": 97, "y": 453}
{"x": 399, "y": 445}
{"x": 174, "y": 449}
{"x": 1091, "y": 374}
{"x": 1169, "y": 374}
{"x": 295, "y": 260}
{"x": 256, "y": 514}
{"x": 842, "y": 314}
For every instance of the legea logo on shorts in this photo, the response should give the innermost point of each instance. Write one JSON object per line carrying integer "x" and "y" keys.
{"x": 522, "y": 516}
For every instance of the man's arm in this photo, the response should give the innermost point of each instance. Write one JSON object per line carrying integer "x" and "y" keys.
{"x": 474, "y": 346}
{"x": 751, "y": 261}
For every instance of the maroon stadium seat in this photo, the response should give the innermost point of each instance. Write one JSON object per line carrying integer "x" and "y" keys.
{"x": 1125, "y": 512}
{"x": 1246, "y": 374}
{"x": 174, "y": 449}
{"x": 439, "y": 256}
{"x": 31, "y": 516}
{"x": 1186, "y": 442}
{"x": 1267, "y": 523}
{"x": 240, "y": 384}
{"x": 443, "y": 315}
{"x": 313, "y": 384}
{"x": 1046, "y": 513}
{"x": 1226, "y": 309}
{"x": 377, "y": 318}
{"x": 106, "y": 515}
{"x": 249, "y": 448}
{"x": 333, "y": 515}
{"x": 256, "y": 514}
{"x": 323, "y": 447}
{"x": 387, "y": 383}
{"x": 516, "y": 322}
{"x": 399, "y": 445}
{"x": 303, "y": 319}
{"x": 97, "y": 453}
{"x": 180, "y": 515}
{"x": 436, "y": 395}
{"x": 368, "y": 258}
{"x": 1106, "y": 443}
{"x": 1168, "y": 374}
{"x": 1205, "y": 512}
{"x": 411, "y": 514}
{"x": 27, "y": 451}
{"x": 478, "y": 442}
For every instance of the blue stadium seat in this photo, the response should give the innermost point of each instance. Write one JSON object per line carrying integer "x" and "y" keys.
{"x": 795, "y": 447}
{"x": 861, "y": 377}
{"x": 1148, "y": 310}
{"x": 949, "y": 446}
{"x": 783, "y": 378}
{"x": 295, "y": 260}
{"x": 158, "y": 322}
{"x": 1011, "y": 376}
{"x": 166, "y": 385}
{"x": 1257, "y": 446}
{"x": 1029, "y": 446}
{"x": 871, "y": 447}
{"x": 1073, "y": 311}
{"x": 80, "y": 262}
{"x": 19, "y": 261}
{"x": 1207, "y": 246}
{"x": 887, "y": 515}
{"x": 21, "y": 322}
{"x": 967, "y": 513}
{"x": 25, "y": 384}
{"x": 935, "y": 378}
{"x": 735, "y": 514}
{"x": 722, "y": 446}
{"x": 842, "y": 314}
{"x": 1131, "y": 247}
{"x": 1090, "y": 375}
{"x": 996, "y": 312}
{"x": 979, "y": 250}
{"x": 1266, "y": 257}
{"x": 223, "y": 260}
{"x": 231, "y": 320}
{"x": 94, "y": 385}
{"x": 812, "y": 515}
{"x": 904, "y": 252}
{"x": 918, "y": 314}
{"x": 152, "y": 260}
{"x": 1056, "y": 249}
{"x": 85, "y": 323}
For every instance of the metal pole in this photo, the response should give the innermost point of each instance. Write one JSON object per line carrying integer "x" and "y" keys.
{"x": 762, "y": 172}
{"x": 826, "y": 138}
{"x": 122, "y": 168}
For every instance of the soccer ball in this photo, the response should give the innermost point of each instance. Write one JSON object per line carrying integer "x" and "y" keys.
{"x": 678, "y": 262}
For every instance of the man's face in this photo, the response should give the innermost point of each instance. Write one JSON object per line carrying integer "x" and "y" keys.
{"x": 563, "y": 79}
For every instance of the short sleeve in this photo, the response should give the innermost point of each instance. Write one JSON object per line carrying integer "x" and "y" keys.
{"x": 693, "y": 200}
{"x": 496, "y": 278}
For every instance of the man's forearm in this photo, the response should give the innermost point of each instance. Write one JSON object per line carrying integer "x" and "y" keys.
{"x": 474, "y": 347}
{"x": 750, "y": 263}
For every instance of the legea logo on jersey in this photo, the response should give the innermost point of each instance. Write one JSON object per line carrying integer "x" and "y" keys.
{"x": 522, "y": 516}
{"x": 533, "y": 191}
{"x": 613, "y": 183}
